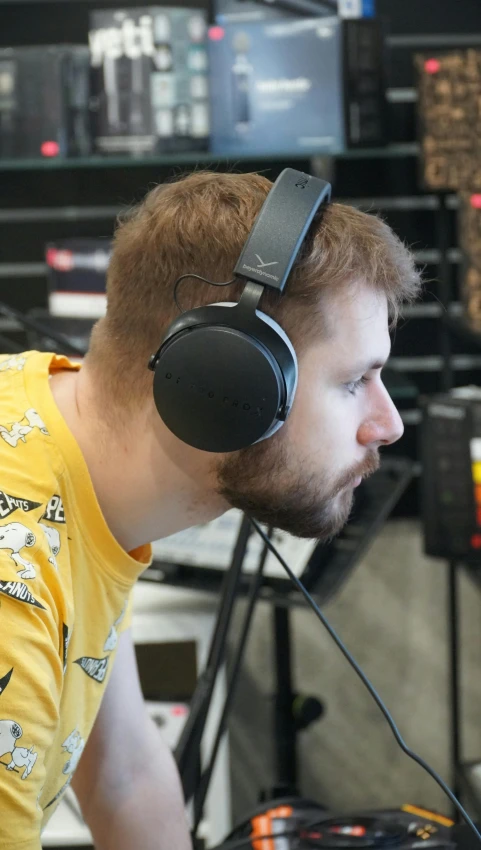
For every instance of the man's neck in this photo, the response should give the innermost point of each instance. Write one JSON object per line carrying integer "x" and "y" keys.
{"x": 148, "y": 484}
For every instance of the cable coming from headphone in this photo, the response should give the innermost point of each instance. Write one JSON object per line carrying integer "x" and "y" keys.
{"x": 198, "y": 277}
{"x": 366, "y": 681}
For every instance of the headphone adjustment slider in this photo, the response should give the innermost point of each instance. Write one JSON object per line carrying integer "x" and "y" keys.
{"x": 154, "y": 359}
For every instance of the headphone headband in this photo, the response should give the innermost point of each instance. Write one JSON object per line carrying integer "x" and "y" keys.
{"x": 280, "y": 228}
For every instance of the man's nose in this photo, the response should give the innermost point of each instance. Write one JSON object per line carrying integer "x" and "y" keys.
{"x": 384, "y": 426}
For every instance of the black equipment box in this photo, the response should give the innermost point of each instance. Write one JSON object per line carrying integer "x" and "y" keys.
{"x": 149, "y": 80}
{"x": 44, "y": 101}
{"x": 451, "y": 481}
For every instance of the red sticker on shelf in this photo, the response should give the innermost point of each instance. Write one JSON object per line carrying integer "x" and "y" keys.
{"x": 432, "y": 66}
{"x": 50, "y": 148}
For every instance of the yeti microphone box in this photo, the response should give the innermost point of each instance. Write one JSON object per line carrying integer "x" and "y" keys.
{"x": 297, "y": 84}
{"x": 44, "y": 101}
{"x": 149, "y": 80}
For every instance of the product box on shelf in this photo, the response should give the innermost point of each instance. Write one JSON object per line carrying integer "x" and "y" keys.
{"x": 297, "y": 84}
{"x": 149, "y": 80}
{"x": 77, "y": 271}
{"x": 449, "y": 122}
{"x": 469, "y": 229}
{"x": 44, "y": 101}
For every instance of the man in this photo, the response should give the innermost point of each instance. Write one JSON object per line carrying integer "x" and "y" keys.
{"x": 91, "y": 475}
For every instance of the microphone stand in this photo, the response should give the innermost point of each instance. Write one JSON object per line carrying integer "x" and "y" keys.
{"x": 188, "y": 750}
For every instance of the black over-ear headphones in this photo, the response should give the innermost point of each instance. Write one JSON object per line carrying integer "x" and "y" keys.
{"x": 226, "y": 374}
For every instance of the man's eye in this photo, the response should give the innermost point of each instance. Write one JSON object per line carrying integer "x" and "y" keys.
{"x": 354, "y": 386}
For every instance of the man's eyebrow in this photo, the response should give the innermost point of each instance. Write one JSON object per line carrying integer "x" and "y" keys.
{"x": 369, "y": 366}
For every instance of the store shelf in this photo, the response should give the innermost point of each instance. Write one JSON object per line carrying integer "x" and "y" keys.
{"x": 192, "y": 158}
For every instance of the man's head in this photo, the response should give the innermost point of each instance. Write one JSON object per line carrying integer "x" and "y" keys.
{"x": 349, "y": 281}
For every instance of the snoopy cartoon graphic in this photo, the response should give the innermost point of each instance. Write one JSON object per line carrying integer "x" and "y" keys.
{"x": 15, "y": 536}
{"x": 112, "y": 639}
{"x": 53, "y": 540}
{"x": 10, "y": 732}
{"x": 74, "y": 745}
{"x": 15, "y": 364}
{"x": 19, "y": 430}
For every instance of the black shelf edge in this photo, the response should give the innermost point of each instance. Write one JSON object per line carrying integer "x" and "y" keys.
{"x": 400, "y": 150}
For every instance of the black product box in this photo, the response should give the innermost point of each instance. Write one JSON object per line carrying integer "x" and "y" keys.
{"x": 451, "y": 482}
{"x": 44, "y": 101}
{"x": 297, "y": 84}
{"x": 77, "y": 271}
{"x": 149, "y": 80}
{"x": 449, "y": 119}
{"x": 469, "y": 239}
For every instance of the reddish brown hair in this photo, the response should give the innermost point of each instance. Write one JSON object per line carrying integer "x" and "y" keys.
{"x": 199, "y": 223}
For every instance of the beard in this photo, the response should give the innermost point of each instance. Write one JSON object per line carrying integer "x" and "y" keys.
{"x": 267, "y": 483}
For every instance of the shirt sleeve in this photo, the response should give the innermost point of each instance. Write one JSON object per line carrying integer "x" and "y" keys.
{"x": 30, "y": 687}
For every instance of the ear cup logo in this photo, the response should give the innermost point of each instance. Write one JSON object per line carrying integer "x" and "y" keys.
{"x": 228, "y": 401}
{"x": 302, "y": 183}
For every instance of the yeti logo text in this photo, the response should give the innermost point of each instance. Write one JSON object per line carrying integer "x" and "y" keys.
{"x": 96, "y": 668}
{"x": 263, "y": 265}
{"x": 130, "y": 39}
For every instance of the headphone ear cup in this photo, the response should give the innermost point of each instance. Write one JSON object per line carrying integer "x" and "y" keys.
{"x": 218, "y": 388}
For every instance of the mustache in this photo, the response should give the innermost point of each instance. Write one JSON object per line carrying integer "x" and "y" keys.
{"x": 364, "y": 469}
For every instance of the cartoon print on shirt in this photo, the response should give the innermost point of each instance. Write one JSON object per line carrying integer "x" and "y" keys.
{"x": 10, "y": 732}
{"x": 66, "y": 635}
{"x": 53, "y": 540}
{"x": 19, "y": 431}
{"x": 16, "y": 363}
{"x": 15, "y": 536}
{"x": 9, "y": 504}
{"x": 112, "y": 639}
{"x": 74, "y": 745}
{"x": 5, "y": 680}
{"x": 54, "y": 512}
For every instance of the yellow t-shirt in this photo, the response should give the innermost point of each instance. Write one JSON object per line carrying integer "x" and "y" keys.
{"x": 65, "y": 587}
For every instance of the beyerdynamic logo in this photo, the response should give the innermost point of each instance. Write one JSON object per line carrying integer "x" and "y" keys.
{"x": 262, "y": 265}
{"x": 225, "y": 400}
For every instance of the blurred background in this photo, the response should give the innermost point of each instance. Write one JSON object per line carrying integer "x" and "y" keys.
{"x": 383, "y": 99}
